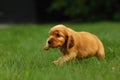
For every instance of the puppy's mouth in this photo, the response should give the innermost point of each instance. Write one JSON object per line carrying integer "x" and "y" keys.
{"x": 54, "y": 46}
{"x": 48, "y": 46}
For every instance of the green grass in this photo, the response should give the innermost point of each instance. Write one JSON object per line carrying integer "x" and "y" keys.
{"x": 22, "y": 56}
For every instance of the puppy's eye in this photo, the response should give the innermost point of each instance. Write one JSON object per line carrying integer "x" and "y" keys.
{"x": 58, "y": 35}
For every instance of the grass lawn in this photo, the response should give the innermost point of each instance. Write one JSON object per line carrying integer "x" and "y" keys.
{"x": 22, "y": 56}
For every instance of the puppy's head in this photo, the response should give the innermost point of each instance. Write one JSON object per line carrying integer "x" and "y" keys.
{"x": 59, "y": 36}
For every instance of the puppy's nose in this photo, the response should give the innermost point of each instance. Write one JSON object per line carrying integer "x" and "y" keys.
{"x": 49, "y": 42}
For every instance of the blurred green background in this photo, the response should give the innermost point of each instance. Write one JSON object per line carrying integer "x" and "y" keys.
{"x": 39, "y": 11}
{"x": 88, "y": 10}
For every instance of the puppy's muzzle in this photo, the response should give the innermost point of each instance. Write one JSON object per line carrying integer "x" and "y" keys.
{"x": 49, "y": 42}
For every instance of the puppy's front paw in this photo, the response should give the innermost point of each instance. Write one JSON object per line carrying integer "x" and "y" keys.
{"x": 55, "y": 62}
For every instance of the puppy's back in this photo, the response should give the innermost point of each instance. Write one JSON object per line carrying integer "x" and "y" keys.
{"x": 90, "y": 45}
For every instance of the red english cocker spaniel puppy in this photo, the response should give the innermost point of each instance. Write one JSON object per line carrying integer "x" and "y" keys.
{"x": 74, "y": 44}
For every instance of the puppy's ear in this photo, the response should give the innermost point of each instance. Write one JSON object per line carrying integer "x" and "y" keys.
{"x": 70, "y": 42}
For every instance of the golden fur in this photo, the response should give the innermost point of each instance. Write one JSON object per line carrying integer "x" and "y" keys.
{"x": 74, "y": 44}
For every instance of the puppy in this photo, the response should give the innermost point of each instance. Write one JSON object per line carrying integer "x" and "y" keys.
{"x": 74, "y": 44}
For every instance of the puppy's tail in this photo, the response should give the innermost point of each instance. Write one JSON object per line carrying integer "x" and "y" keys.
{"x": 100, "y": 52}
